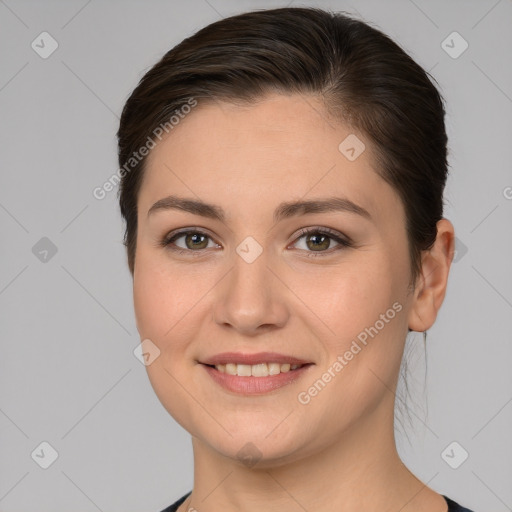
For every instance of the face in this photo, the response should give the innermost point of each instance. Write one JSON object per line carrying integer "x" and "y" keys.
{"x": 252, "y": 273}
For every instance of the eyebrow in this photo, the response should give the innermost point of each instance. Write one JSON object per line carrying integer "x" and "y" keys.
{"x": 283, "y": 211}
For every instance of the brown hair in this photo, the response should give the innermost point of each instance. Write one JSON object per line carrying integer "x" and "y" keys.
{"x": 364, "y": 79}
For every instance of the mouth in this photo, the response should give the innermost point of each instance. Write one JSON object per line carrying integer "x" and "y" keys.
{"x": 254, "y": 374}
{"x": 256, "y": 370}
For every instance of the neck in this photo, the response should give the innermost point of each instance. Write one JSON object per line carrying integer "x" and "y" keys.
{"x": 360, "y": 471}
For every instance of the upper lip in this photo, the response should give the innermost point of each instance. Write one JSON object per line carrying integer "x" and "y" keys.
{"x": 258, "y": 358}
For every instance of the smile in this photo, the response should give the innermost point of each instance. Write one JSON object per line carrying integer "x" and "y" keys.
{"x": 256, "y": 370}
{"x": 255, "y": 379}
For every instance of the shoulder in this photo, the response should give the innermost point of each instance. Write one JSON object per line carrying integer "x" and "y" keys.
{"x": 453, "y": 506}
{"x": 176, "y": 504}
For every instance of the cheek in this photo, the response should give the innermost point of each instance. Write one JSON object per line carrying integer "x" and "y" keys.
{"x": 159, "y": 304}
{"x": 349, "y": 296}
{"x": 167, "y": 302}
{"x": 158, "y": 298}
{"x": 364, "y": 313}
{"x": 360, "y": 309}
{"x": 151, "y": 301}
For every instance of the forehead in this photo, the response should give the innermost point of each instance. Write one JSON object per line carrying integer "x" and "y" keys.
{"x": 280, "y": 147}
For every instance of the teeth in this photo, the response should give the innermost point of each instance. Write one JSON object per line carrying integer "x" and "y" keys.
{"x": 256, "y": 370}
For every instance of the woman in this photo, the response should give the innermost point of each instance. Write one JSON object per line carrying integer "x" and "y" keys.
{"x": 283, "y": 177}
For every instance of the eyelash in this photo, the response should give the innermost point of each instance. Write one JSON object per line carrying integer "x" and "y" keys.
{"x": 334, "y": 235}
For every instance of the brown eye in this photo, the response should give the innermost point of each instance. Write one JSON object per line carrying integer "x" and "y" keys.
{"x": 318, "y": 240}
{"x": 196, "y": 241}
{"x": 188, "y": 241}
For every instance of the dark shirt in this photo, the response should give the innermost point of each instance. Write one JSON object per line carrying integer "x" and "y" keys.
{"x": 452, "y": 505}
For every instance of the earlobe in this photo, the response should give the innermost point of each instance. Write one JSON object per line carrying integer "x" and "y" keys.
{"x": 432, "y": 282}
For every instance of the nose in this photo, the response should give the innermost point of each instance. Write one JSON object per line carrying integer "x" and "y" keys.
{"x": 250, "y": 299}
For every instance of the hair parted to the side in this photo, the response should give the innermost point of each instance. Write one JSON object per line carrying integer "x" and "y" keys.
{"x": 365, "y": 80}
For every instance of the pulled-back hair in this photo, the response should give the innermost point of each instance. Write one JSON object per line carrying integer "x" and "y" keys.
{"x": 364, "y": 79}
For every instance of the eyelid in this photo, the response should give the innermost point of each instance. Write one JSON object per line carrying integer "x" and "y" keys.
{"x": 323, "y": 230}
{"x": 342, "y": 240}
{"x": 169, "y": 238}
{"x": 184, "y": 231}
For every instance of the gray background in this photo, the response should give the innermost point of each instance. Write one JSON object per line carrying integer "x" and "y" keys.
{"x": 68, "y": 374}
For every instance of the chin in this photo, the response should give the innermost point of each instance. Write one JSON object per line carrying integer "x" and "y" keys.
{"x": 258, "y": 448}
{"x": 253, "y": 455}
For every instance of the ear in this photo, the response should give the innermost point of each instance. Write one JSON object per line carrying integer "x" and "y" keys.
{"x": 433, "y": 279}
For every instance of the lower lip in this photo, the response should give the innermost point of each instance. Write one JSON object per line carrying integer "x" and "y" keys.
{"x": 255, "y": 385}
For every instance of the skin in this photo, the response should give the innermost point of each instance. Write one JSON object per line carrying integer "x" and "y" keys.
{"x": 337, "y": 452}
